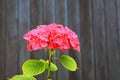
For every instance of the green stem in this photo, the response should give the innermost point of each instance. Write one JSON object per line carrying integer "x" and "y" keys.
{"x": 49, "y": 61}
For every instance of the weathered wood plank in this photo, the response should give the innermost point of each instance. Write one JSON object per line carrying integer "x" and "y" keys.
{"x": 118, "y": 17}
{"x": 2, "y": 38}
{"x": 61, "y": 12}
{"x": 87, "y": 46}
{"x": 49, "y": 11}
{"x": 74, "y": 24}
{"x": 61, "y": 18}
{"x": 36, "y": 15}
{"x": 11, "y": 63}
{"x": 23, "y": 27}
{"x": 100, "y": 40}
{"x": 112, "y": 39}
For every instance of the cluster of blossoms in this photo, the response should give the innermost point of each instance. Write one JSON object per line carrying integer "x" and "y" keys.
{"x": 52, "y": 36}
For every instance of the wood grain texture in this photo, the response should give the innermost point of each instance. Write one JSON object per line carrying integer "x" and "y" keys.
{"x": 11, "y": 57}
{"x": 23, "y": 27}
{"x": 118, "y": 18}
{"x": 61, "y": 11}
{"x": 112, "y": 39}
{"x": 36, "y": 12}
{"x": 87, "y": 41}
{"x": 74, "y": 24}
{"x": 100, "y": 40}
{"x": 49, "y": 11}
{"x": 2, "y": 38}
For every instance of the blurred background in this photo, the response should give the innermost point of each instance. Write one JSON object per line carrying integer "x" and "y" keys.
{"x": 97, "y": 22}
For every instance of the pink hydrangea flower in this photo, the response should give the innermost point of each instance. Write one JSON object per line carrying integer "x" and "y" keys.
{"x": 52, "y": 36}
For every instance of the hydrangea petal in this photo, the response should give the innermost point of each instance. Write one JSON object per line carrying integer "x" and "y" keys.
{"x": 52, "y": 36}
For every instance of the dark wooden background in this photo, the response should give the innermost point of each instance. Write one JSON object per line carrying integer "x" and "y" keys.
{"x": 97, "y": 22}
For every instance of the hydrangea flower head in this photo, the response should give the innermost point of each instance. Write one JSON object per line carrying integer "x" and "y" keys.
{"x": 52, "y": 36}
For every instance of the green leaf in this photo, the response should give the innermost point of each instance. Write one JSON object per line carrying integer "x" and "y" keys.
{"x": 42, "y": 60}
{"x": 53, "y": 67}
{"x": 33, "y": 67}
{"x": 68, "y": 62}
{"x": 22, "y": 77}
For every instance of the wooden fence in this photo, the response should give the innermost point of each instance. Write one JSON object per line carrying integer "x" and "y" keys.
{"x": 97, "y": 22}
